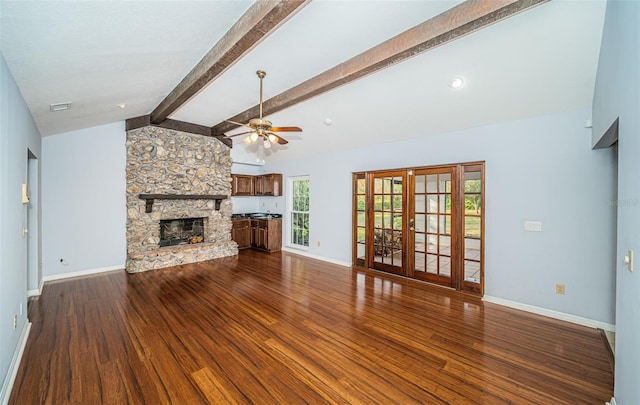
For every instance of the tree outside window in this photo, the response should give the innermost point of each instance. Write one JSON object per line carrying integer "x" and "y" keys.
{"x": 300, "y": 212}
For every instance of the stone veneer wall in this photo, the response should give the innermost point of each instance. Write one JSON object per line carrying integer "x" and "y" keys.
{"x": 164, "y": 161}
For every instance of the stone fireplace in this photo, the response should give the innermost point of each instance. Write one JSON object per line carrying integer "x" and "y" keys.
{"x": 178, "y": 210}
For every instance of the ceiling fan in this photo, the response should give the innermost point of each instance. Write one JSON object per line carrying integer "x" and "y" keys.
{"x": 261, "y": 129}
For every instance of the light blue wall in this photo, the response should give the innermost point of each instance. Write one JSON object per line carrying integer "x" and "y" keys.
{"x": 83, "y": 200}
{"x": 18, "y": 133}
{"x": 617, "y": 94}
{"x": 540, "y": 169}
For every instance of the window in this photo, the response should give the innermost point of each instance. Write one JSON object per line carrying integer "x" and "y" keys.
{"x": 299, "y": 214}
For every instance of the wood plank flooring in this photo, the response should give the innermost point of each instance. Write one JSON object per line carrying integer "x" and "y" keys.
{"x": 283, "y": 329}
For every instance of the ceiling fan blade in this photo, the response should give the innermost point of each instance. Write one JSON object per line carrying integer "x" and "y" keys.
{"x": 241, "y": 133}
{"x": 238, "y": 123}
{"x": 285, "y": 129}
{"x": 279, "y": 139}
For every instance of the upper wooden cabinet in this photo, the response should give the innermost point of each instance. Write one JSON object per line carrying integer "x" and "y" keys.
{"x": 242, "y": 184}
{"x": 262, "y": 185}
{"x": 269, "y": 184}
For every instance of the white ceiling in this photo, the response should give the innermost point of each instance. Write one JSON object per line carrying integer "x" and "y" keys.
{"x": 98, "y": 54}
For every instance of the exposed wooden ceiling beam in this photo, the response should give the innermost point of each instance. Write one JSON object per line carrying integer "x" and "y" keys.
{"x": 145, "y": 120}
{"x": 461, "y": 20}
{"x": 260, "y": 20}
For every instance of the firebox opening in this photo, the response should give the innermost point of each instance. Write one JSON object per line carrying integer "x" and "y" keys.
{"x": 181, "y": 231}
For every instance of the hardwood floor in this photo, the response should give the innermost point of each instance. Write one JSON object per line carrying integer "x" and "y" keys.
{"x": 284, "y": 329}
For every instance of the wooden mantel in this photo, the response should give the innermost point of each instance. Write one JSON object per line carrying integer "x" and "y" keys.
{"x": 150, "y": 198}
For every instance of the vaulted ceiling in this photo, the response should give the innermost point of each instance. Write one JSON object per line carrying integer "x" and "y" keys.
{"x": 114, "y": 60}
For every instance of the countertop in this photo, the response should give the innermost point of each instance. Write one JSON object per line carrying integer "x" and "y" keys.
{"x": 257, "y": 215}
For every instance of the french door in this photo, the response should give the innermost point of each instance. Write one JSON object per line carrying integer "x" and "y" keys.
{"x": 425, "y": 223}
{"x": 433, "y": 221}
{"x": 387, "y": 239}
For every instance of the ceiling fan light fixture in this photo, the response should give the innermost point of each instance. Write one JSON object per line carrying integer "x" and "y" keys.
{"x": 261, "y": 129}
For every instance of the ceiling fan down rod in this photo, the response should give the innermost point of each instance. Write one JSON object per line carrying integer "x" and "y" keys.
{"x": 261, "y": 74}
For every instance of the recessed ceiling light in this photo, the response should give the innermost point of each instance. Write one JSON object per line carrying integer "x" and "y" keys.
{"x": 456, "y": 83}
{"x": 122, "y": 106}
{"x": 59, "y": 106}
{"x": 328, "y": 121}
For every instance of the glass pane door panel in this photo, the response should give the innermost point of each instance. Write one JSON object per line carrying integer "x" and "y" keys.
{"x": 432, "y": 243}
{"x": 444, "y": 268}
{"x": 419, "y": 262}
{"x": 397, "y": 221}
{"x": 445, "y": 204}
{"x": 471, "y": 271}
{"x": 420, "y": 242}
{"x": 387, "y": 216}
{"x": 419, "y": 183}
{"x": 432, "y": 223}
{"x": 432, "y": 203}
{"x": 445, "y": 245}
{"x": 420, "y": 203}
{"x": 397, "y": 203}
{"x": 445, "y": 224}
{"x": 360, "y": 219}
{"x": 472, "y": 228}
{"x": 420, "y": 223}
{"x": 432, "y": 183}
{"x": 432, "y": 264}
{"x": 472, "y": 249}
{"x": 445, "y": 183}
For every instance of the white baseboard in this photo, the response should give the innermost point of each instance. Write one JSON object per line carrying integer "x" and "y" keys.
{"x": 37, "y": 292}
{"x": 309, "y": 255}
{"x": 551, "y": 314}
{"x": 34, "y": 293}
{"x": 81, "y": 273}
{"x": 15, "y": 364}
{"x": 612, "y": 402}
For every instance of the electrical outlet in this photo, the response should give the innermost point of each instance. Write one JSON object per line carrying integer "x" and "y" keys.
{"x": 15, "y": 322}
{"x": 560, "y": 289}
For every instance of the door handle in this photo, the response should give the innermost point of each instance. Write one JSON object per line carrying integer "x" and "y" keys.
{"x": 412, "y": 224}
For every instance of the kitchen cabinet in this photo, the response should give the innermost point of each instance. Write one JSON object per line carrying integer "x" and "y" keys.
{"x": 268, "y": 184}
{"x": 241, "y": 232}
{"x": 261, "y": 185}
{"x": 242, "y": 185}
{"x": 266, "y": 234}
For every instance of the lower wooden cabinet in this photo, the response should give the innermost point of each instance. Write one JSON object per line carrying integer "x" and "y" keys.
{"x": 263, "y": 234}
{"x": 241, "y": 232}
{"x": 266, "y": 234}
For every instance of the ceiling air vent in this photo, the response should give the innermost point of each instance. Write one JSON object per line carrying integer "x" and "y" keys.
{"x": 59, "y": 106}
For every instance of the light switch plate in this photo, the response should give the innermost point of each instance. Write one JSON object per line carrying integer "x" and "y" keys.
{"x": 629, "y": 260}
{"x": 533, "y": 226}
